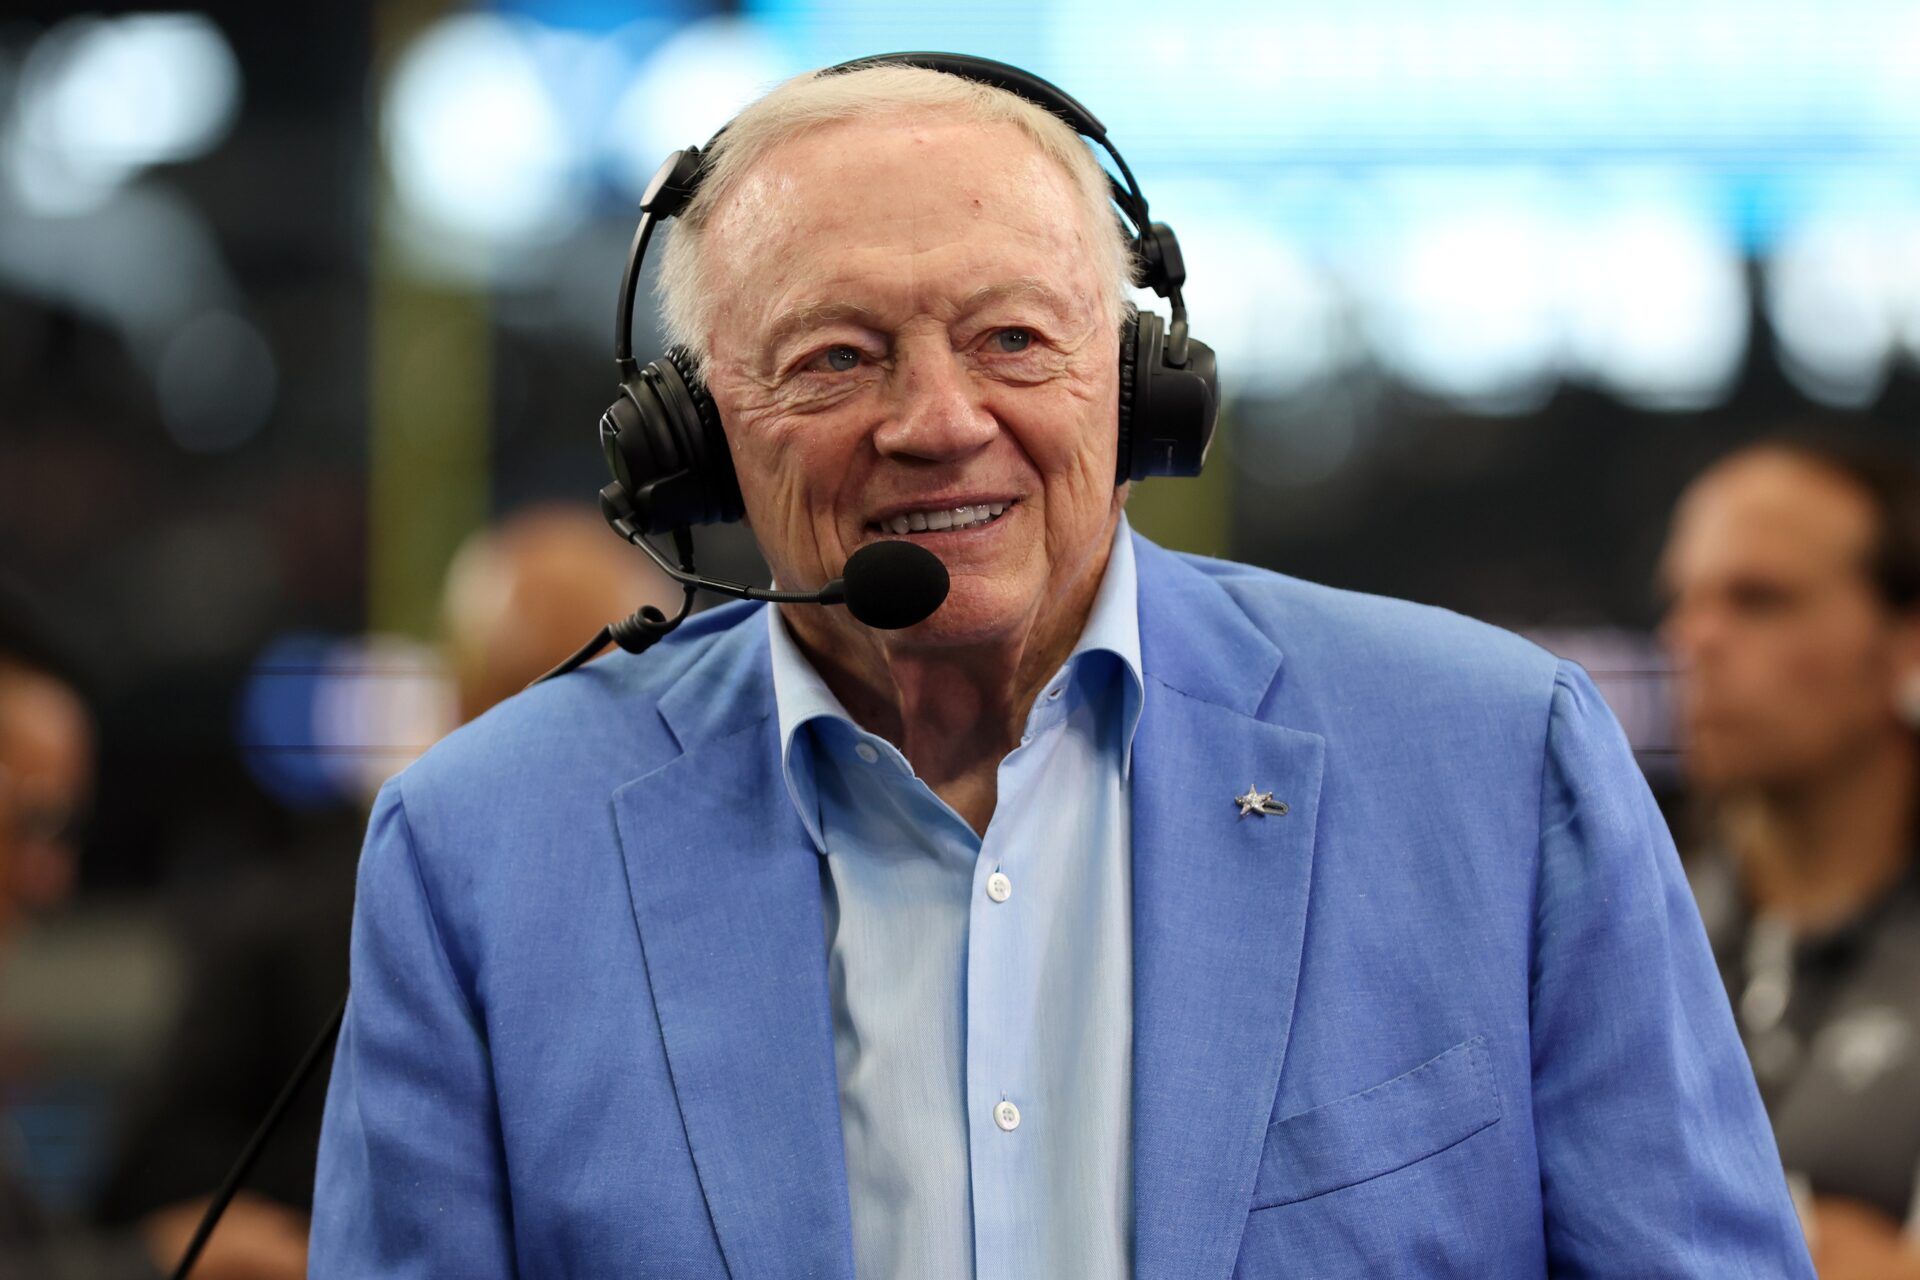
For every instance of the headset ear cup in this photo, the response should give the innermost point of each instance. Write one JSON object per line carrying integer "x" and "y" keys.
{"x": 1167, "y": 412}
{"x": 666, "y": 449}
{"x": 708, "y": 454}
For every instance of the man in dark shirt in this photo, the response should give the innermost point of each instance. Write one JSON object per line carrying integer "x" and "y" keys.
{"x": 1793, "y": 571}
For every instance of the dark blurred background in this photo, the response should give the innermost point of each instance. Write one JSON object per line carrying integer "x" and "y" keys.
{"x": 294, "y": 297}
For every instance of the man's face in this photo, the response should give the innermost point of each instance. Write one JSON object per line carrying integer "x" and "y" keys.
{"x": 46, "y": 768}
{"x": 1789, "y": 663}
{"x": 911, "y": 324}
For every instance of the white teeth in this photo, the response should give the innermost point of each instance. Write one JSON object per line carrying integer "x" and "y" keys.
{"x": 947, "y": 518}
{"x": 966, "y": 516}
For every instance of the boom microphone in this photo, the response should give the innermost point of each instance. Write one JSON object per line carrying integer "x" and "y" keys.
{"x": 894, "y": 584}
{"x": 886, "y": 585}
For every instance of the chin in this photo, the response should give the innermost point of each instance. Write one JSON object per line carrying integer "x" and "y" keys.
{"x": 976, "y": 611}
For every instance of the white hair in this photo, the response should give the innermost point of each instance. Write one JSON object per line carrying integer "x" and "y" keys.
{"x": 686, "y": 282}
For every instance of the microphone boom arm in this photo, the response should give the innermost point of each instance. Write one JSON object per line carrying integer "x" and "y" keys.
{"x": 835, "y": 592}
{"x": 639, "y": 631}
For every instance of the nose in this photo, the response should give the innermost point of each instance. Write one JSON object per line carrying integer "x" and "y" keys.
{"x": 936, "y": 413}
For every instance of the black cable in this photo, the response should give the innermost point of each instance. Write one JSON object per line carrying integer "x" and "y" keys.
{"x": 645, "y": 626}
{"x": 258, "y": 1143}
{"x": 583, "y": 655}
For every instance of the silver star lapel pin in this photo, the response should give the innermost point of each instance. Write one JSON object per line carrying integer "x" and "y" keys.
{"x": 1261, "y": 802}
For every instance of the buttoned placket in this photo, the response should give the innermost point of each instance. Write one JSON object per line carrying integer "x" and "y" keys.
{"x": 1029, "y": 1036}
{"x": 1001, "y": 996}
{"x": 1003, "y": 1125}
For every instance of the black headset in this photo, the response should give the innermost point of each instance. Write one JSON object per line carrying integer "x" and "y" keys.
{"x": 662, "y": 437}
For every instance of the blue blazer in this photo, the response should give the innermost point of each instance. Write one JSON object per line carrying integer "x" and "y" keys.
{"x": 1452, "y": 1014}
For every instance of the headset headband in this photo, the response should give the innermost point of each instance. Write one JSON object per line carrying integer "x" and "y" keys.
{"x": 679, "y": 178}
{"x": 663, "y": 438}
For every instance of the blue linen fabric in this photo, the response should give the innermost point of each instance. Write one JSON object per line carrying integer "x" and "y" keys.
{"x": 953, "y": 992}
{"x": 1451, "y": 1015}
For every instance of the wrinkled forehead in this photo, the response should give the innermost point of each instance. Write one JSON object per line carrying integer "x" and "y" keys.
{"x": 874, "y": 198}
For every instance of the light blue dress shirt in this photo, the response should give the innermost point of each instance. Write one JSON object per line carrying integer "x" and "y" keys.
{"x": 982, "y": 987}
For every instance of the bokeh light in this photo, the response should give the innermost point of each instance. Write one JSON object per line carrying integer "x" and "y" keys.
{"x": 473, "y": 139}
{"x": 101, "y": 98}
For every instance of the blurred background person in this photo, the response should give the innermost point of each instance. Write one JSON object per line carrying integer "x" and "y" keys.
{"x": 525, "y": 594}
{"x": 46, "y": 764}
{"x": 1793, "y": 574}
{"x": 46, "y": 781}
{"x": 269, "y": 959}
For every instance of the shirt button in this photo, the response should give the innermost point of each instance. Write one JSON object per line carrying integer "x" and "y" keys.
{"x": 866, "y": 752}
{"x": 1007, "y": 1116}
{"x": 999, "y": 888}
{"x": 1053, "y": 694}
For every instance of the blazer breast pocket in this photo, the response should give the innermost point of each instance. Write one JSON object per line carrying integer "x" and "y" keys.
{"x": 1443, "y": 1101}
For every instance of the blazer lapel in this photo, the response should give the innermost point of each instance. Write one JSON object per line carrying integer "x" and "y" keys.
{"x": 1219, "y": 915}
{"x": 726, "y": 893}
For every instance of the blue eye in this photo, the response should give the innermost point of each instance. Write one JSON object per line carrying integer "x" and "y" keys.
{"x": 842, "y": 359}
{"x": 1013, "y": 341}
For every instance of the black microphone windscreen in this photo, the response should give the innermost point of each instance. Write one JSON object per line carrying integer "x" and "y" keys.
{"x": 894, "y": 584}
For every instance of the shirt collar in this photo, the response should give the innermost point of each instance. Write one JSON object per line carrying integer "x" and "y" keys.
{"x": 1113, "y": 626}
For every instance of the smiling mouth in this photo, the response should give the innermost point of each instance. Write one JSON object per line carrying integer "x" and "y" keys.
{"x": 942, "y": 519}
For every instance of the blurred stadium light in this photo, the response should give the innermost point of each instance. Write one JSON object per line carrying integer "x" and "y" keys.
{"x": 1474, "y": 135}
{"x": 1833, "y": 294}
{"x": 1494, "y": 196}
{"x": 1437, "y": 191}
{"x": 98, "y": 99}
{"x": 684, "y": 90}
{"x": 474, "y": 139}
{"x": 1463, "y": 305}
{"x": 215, "y": 382}
{"x": 1656, "y": 308}
{"x": 322, "y": 719}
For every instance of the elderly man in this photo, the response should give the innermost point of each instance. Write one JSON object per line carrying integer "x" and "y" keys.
{"x": 1134, "y": 914}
